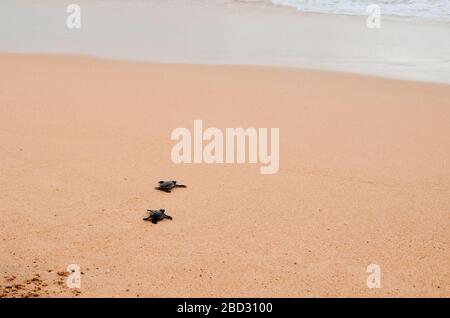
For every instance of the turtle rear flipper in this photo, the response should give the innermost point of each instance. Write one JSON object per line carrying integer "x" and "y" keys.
{"x": 154, "y": 220}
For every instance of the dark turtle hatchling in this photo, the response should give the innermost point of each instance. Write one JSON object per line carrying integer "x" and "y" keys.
{"x": 157, "y": 215}
{"x": 167, "y": 186}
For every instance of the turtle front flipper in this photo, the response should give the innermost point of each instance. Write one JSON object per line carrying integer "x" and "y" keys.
{"x": 168, "y": 217}
{"x": 180, "y": 186}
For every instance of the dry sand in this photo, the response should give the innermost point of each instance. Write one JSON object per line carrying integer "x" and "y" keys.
{"x": 364, "y": 178}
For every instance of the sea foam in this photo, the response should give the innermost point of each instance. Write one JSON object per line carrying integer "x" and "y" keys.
{"x": 438, "y": 10}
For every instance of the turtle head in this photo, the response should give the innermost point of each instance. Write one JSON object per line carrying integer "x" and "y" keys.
{"x": 162, "y": 210}
{"x": 174, "y": 182}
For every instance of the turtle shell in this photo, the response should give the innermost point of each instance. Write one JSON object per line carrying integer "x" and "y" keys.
{"x": 167, "y": 185}
{"x": 157, "y": 215}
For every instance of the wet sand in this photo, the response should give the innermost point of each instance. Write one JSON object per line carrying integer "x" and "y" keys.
{"x": 232, "y": 33}
{"x": 364, "y": 178}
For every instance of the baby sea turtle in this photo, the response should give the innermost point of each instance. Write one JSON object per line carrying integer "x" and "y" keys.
{"x": 167, "y": 186}
{"x": 157, "y": 215}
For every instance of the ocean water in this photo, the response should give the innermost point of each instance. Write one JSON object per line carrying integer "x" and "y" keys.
{"x": 430, "y": 9}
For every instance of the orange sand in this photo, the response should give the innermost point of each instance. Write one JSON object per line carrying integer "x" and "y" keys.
{"x": 364, "y": 178}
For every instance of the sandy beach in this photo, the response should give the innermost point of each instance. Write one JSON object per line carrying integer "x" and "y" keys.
{"x": 364, "y": 178}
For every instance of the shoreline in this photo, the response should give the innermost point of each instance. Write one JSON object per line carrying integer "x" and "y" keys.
{"x": 249, "y": 66}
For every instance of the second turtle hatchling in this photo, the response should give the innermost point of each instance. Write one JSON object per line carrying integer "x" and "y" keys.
{"x": 157, "y": 215}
